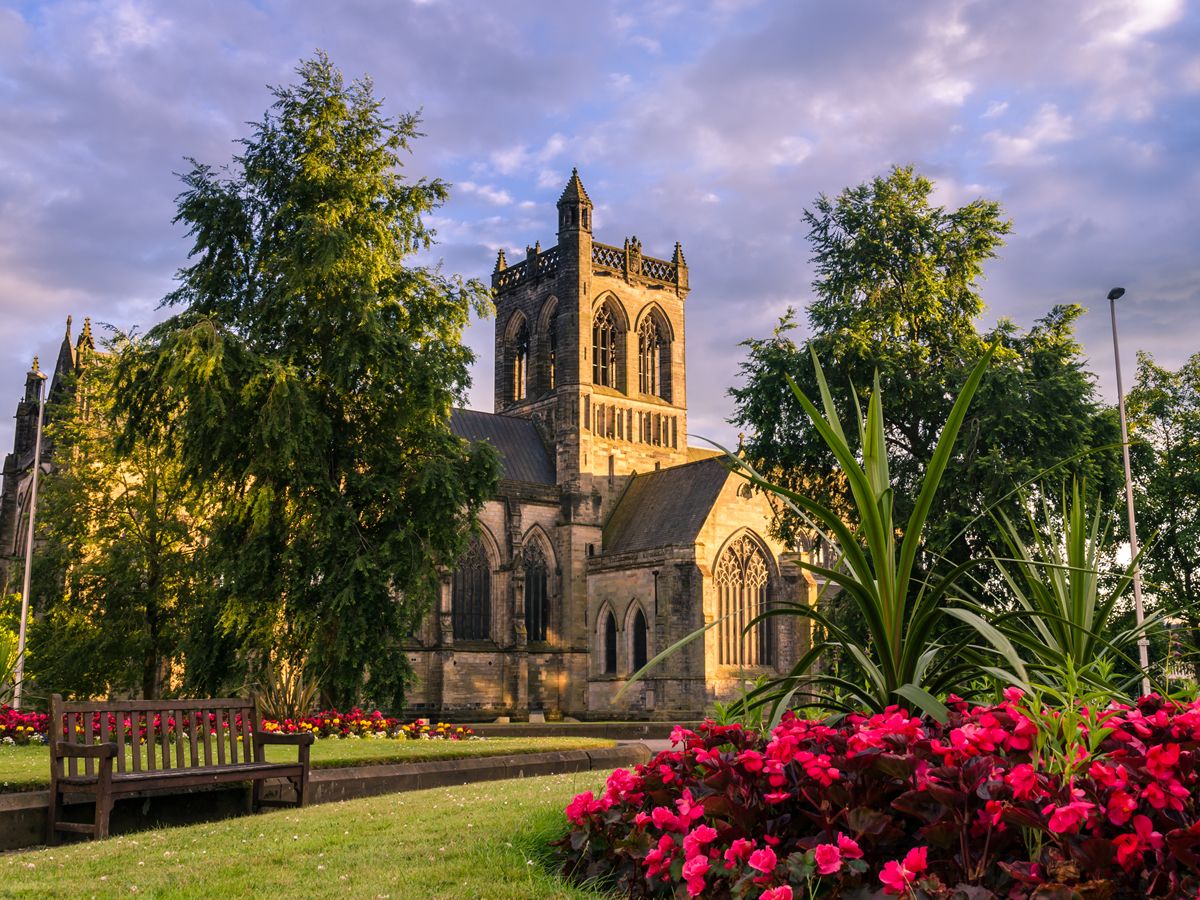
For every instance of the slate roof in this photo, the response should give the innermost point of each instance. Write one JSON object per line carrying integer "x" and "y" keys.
{"x": 665, "y": 507}
{"x": 521, "y": 449}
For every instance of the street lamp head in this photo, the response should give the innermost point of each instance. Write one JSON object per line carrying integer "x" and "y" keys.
{"x": 1116, "y": 293}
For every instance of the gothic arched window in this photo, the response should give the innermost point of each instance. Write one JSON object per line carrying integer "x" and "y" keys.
{"x": 640, "y": 641}
{"x": 471, "y": 594}
{"x": 604, "y": 348}
{"x": 537, "y": 594}
{"x": 741, "y": 578}
{"x": 520, "y": 350}
{"x": 608, "y": 636}
{"x": 650, "y": 344}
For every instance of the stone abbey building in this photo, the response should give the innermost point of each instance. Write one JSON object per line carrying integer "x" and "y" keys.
{"x": 609, "y": 538}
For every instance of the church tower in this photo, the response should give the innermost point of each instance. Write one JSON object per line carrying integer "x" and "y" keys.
{"x": 590, "y": 344}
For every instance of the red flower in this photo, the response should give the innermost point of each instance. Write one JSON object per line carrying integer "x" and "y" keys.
{"x": 783, "y": 892}
{"x": 849, "y": 847}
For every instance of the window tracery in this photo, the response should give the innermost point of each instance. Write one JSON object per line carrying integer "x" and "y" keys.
{"x": 742, "y": 577}
{"x": 604, "y": 348}
{"x": 650, "y": 342}
{"x": 521, "y": 362}
{"x": 537, "y": 594}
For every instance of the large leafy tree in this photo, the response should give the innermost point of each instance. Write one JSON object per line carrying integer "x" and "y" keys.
{"x": 119, "y": 585}
{"x": 308, "y": 379}
{"x": 1164, "y": 414}
{"x": 896, "y": 292}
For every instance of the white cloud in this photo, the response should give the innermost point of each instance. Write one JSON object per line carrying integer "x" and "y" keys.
{"x": 1047, "y": 127}
{"x": 486, "y": 192}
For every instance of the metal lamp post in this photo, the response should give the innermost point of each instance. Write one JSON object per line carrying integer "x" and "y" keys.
{"x": 19, "y": 671}
{"x": 1139, "y": 611}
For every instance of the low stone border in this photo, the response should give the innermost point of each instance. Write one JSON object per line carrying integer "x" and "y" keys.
{"x": 614, "y": 731}
{"x": 23, "y": 816}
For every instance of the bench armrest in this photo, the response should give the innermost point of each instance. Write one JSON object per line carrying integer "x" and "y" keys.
{"x": 304, "y": 739}
{"x": 97, "y": 751}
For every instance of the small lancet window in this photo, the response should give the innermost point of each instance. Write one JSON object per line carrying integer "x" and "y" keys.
{"x": 640, "y": 641}
{"x": 609, "y": 636}
{"x": 552, "y": 349}
{"x": 604, "y": 348}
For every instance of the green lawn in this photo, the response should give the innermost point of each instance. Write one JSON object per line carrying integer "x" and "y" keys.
{"x": 28, "y": 768}
{"x": 485, "y": 840}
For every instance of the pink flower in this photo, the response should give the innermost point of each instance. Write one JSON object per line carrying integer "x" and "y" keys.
{"x": 849, "y": 847}
{"x": 776, "y": 797}
{"x": 665, "y": 820}
{"x": 694, "y": 871}
{"x": 581, "y": 807}
{"x": 1067, "y": 818}
{"x": 694, "y": 841}
{"x": 897, "y": 876}
{"x": 783, "y": 892}
{"x": 1161, "y": 761}
{"x": 1120, "y": 807}
{"x": 828, "y": 859}
{"x": 763, "y": 860}
{"x": 1172, "y": 797}
{"x": 738, "y": 851}
{"x": 689, "y": 809}
{"x": 1023, "y": 780}
{"x": 659, "y": 859}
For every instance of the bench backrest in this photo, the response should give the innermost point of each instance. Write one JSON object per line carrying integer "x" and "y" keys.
{"x": 152, "y": 735}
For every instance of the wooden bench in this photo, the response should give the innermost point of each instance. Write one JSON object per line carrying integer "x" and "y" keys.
{"x": 124, "y": 747}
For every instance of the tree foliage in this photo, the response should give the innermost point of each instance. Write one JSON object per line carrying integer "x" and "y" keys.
{"x": 1164, "y": 418}
{"x": 118, "y": 578}
{"x": 896, "y": 292}
{"x": 308, "y": 380}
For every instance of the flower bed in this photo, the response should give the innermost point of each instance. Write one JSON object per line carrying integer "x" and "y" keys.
{"x": 25, "y": 727}
{"x": 899, "y": 805}
{"x": 17, "y": 727}
{"x": 359, "y": 724}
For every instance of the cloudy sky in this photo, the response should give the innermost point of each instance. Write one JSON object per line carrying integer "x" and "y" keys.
{"x": 714, "y": 123}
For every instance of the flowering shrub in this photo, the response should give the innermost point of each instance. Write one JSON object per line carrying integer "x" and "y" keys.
{"x": 22, "y": 727}
{"x": 18, "y": 727}
{"x": 892, "y": 804}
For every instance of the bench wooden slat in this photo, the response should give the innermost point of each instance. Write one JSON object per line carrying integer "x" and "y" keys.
{"x": 89, "y": 723}
{"x": 164, "y": 729}
{"x": 120, "y": 743}
{"x": 193, "y": 754}
{"x": 232, "y": 735}
{"x": 205, "y": 729}
{"x": 72, "y": 737}
{"x": 219, "y": 737}
{"x": 179, "y": 714}
{"x": 247, "y": 740}
{"x": 151, "y": 743}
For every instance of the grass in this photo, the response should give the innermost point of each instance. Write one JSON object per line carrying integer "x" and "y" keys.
{"x": 484, "y": 840}
{"x": 28, "y": 768}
